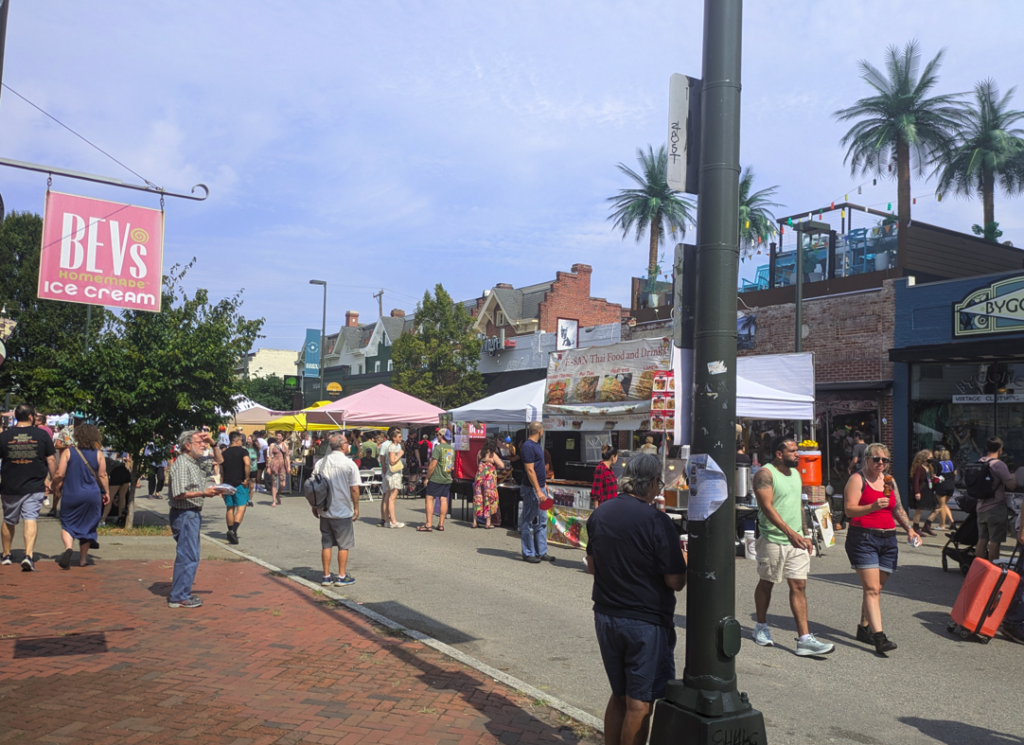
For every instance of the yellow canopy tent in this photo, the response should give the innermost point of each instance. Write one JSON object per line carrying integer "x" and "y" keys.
{"x": 295, "y": 421}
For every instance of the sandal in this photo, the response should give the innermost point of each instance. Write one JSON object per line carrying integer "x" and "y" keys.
{"x": 424, "y": 529}
{"x": 440, "y": 527}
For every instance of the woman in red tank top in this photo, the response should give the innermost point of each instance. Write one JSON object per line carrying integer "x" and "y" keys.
{"x": 873, "y": 505}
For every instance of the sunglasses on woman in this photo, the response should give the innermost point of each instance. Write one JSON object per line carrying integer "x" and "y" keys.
{"x": 879, "y": 459}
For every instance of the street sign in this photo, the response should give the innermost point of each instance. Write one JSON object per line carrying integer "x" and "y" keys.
{"x": 683, "y": 133}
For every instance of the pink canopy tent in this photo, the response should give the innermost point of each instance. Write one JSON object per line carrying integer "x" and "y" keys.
{"x": 377, "y": 405}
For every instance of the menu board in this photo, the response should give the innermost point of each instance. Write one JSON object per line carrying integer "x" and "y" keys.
{"x": 663, "y": 403}
{"x": 463, "y": 432}
{"x": 617, "y": 373}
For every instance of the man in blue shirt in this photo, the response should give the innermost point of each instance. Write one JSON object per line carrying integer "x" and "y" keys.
{"x": 533, "y": 522}
{"x": 634, "y": 554}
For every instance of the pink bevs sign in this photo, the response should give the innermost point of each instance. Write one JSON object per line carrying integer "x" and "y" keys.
{"x": 101, "y": 253}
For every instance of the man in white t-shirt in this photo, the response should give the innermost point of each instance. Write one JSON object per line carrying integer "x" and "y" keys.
{"x": 261, "y": 460}
{"x": 338, "y": 520}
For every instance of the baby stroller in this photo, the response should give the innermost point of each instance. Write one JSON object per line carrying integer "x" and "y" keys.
{"x": 961, "y": 547}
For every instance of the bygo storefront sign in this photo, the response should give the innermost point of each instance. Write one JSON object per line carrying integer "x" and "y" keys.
{"x": 101, "y": 253}
{"x": 996, "y": 309}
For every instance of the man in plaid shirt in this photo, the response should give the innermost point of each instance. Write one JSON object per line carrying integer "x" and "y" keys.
{"x": 188, "y": 488}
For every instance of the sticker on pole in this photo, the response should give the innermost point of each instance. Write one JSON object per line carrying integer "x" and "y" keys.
{"x": 708, "y": 487}
{"x": 101, "y": 253}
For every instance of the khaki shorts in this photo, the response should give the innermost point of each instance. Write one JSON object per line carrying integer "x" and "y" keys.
{"x": 777, "y": 562}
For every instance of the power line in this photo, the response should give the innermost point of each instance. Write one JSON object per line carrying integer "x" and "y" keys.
{"x": 76, "y": 134}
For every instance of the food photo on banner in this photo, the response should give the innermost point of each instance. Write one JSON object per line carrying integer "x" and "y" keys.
{"x": 98, "y": 252}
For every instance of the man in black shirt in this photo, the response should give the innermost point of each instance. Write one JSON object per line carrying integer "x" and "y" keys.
{"x": 28, "y": 456}
{"x": 634, "y": 554}
{"x": 235, "y": 470}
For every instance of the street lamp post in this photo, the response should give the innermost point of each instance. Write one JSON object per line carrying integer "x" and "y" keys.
{"x": 808, "y": 229}
{"x": 705, "y": 706}
{"x": 323, "y": 335}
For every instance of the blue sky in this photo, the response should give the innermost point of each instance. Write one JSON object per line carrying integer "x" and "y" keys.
{"x": 402, "y": 144}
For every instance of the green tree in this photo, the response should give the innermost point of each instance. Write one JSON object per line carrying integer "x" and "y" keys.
{"x": 438, "y": 361}
{"x": 987, "y": 149}
{"x": 653, "y": 207}
{"x": 900, "y": 125}
{"x": 150, "y": 376}
{"x": 46, "y": 328}
{"x": 269, "y": 391}
{"x": 757, "y": 222}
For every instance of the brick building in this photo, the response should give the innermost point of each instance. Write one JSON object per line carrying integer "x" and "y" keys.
{"x": 519, "y": 324}
{"x": 850, "y": 267}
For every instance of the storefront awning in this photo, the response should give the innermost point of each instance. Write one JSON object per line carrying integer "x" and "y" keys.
{"x": 962, "y": 351}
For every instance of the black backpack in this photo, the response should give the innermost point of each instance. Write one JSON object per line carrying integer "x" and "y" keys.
{"x": 979, "y": 480}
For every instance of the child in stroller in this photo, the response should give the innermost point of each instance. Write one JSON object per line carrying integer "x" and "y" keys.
{"x": 961, "y": 547}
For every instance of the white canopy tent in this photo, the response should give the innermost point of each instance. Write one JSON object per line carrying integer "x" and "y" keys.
{"x": 775, "y": 386}
{"x": 520, "y": 405}
{"x": 768, "y": 386}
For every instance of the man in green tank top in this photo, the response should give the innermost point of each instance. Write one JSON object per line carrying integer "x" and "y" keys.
{"x": 782, "y": 550}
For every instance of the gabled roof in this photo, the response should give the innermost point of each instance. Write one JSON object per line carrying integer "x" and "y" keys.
{"x": 395, "y": 327}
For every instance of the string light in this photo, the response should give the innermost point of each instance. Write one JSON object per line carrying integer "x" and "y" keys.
{"x": 915, "y": 200}
{"x": 842, "y": 214}
{"x": 860, "y": 190}
{"x": 940, "y": 197}
{"x": 889, "y": 206}
{"x": 874, "y": 182}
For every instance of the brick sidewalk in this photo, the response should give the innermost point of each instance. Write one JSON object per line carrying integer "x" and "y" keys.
{"x": 95, "y": 655}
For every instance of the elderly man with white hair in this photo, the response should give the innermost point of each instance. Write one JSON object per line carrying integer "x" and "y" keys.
{"x": 338, "y": 519}
{"x": 188, "y": 479}
{"x": 634, "y": 554}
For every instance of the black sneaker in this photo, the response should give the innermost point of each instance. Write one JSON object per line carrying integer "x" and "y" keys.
{"x": 547, "y": 557}
{"x": 233, "y": 537}
{"x": 65, "y": 559}
{"x": 864, "y": 634}
{"x": 192, "y": 602}
{"x": 532, "y": 559}
{"x": 27, "y": 565}
{"x": 6, "y": 560}
{"x": 882, "y": 643}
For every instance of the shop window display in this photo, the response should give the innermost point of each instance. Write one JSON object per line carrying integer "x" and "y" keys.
{"x": 961, "y": 405}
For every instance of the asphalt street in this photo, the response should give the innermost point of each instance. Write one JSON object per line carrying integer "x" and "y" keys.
{"x": 469, "y": 588}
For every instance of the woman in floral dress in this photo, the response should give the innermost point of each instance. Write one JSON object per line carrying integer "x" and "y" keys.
{"x": 485, "y": 487}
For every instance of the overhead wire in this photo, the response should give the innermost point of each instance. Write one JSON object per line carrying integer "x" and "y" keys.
{"x": 83, "y": 138}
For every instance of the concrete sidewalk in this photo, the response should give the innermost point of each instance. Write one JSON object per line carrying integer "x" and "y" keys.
{"x": 93, "y": 654}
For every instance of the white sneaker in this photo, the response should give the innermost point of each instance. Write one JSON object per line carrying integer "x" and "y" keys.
{"x": 763, "y": 638}
{"x": 812, "y": 647}
{"x": 397, "y": 525}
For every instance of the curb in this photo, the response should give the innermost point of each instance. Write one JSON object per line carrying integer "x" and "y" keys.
{"x": 568, "y": 709}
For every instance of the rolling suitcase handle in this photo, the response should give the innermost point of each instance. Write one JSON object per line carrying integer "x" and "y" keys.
{"x": 997, "y": 594}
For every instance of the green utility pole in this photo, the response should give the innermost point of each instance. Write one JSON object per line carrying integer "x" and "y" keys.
{"x": 705, "y": 706}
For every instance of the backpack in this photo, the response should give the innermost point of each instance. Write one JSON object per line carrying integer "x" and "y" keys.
{"x": 318, "y": 492}
{"x": 979, "y": 480}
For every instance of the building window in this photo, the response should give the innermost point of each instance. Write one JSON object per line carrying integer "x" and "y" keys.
{"x": 499, "y": 318}
{"x": 391, "y": 365}
{"x": 376, "y": 367}
{"x": 360, "y": 369}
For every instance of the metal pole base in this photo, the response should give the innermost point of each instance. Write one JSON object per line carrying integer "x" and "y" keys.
{"x": 699, "y": 717}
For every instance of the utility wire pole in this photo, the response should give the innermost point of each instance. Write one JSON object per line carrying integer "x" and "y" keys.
{"x": 380, "y": 303}
{"x": 705, "y": 707}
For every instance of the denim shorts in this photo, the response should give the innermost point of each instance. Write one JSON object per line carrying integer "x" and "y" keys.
{"x": 867, "y": 551}
{"x": 638, "y": 656}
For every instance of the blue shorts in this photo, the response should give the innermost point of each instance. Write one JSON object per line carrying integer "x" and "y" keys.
{"x": 442, "y": 491}
{"x": 239, "y": 499}
{"x": 867, "y": 551}
{"x": 638, "y": 656}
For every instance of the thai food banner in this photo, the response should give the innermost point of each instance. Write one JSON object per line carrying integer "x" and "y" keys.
{"x": 615, "y": 374}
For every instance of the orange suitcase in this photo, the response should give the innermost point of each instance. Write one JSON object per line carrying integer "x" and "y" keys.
{"x": 984, "y": 599}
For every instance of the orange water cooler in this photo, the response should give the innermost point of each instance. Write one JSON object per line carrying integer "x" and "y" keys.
{"x": 810, "y": 467}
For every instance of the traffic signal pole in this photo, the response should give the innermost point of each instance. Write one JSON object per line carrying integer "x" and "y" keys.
{"x": 705, "y": 705}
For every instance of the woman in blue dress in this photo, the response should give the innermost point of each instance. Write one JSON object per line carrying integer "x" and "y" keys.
{"x": 82, "y": 481}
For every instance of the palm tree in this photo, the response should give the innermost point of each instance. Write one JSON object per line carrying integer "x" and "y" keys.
{"x": 757, "y": 223}
{"x": 900, "y": 122}
{"x": 653, "y": 206}
{"x": 986, "y": 149}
